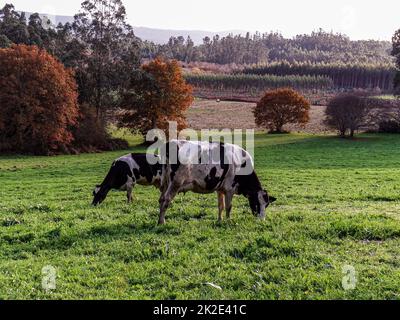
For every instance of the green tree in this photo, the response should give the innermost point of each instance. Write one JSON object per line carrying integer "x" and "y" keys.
{"x": 13, "y": 25}
{"x": 40, "y": 33}
{"x": 110, "y": 55}
{"x": 4, "y": 41}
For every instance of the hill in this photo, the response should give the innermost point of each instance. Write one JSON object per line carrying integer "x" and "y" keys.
{"x": 158, "y": 36}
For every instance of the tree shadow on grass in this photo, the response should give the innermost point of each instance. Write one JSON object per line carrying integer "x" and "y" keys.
{"x": 58, "y": 239}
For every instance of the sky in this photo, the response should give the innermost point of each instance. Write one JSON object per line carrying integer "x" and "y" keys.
{"x": 357, "y": 18}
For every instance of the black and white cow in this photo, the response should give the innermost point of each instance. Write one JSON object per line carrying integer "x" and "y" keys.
{"x": 126, "y": 172}
{"x": 228, "y": 170}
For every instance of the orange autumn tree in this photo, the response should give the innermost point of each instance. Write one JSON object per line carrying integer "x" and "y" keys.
{"x": 158, "y": 94}
{"x": 38, "y": 101}
{"x": 279, "y": 107}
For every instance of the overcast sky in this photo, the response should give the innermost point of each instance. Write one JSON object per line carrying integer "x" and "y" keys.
{"x": 357, "y": 18}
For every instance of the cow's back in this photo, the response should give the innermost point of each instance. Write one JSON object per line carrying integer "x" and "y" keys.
{"x": 203, "y": 167}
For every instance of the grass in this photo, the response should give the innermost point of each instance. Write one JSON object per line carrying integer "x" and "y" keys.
{"x": 338, "y": 204}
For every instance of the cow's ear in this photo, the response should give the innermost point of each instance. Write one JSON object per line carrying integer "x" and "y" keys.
{"x": 272, "y": 199}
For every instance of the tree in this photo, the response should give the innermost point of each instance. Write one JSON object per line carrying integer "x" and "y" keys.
{"x": 13, "y": 25}
{"x": 396, "y": 54}
{"x": 158, "y": 94}
{"x": 40, "y": 33}
{"x": 346, "y": 113}
{"x": 38, "y": 101}
{"x": 279, "y": 107}
{"x": 37, "y": 31}
{"x": 110, "y": 54}
{"x": 4, "y": 41}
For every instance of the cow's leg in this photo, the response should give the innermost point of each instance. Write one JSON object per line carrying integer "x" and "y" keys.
{"x": 129, "y": 190}
{"x": 165, "y": 201}
{"x": 228, "y": 204}
{"x": 221, "y": 205}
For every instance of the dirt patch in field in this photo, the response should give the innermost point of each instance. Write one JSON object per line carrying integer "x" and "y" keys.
{"x": 210, "y": 114}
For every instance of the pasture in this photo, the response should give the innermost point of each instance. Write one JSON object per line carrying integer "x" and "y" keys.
{"x": 338, "y": 204}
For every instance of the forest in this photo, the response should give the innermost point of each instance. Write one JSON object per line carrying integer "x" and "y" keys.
{"x": 258, "y": 82}
{"x": 317, "y": 47}
{"x": 343, "y": 75}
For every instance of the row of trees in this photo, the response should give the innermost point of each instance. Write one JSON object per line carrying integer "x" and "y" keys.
{"x": 257, "y": 82}
{"x": 319, "y": 46}
{"x": 231, "y": 49}
{"x": 40, "y": 112}
{"x": 343, "y": 75}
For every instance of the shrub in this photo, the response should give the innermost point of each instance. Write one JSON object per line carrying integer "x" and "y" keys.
{"x": 389, "y": 121}
{"x": 346, "y": 113}
{"x": 279, "y": 107}
{"x": 90, "y": 133}
{"x": 38, "y": 101}
{"x": 389, "y": 126}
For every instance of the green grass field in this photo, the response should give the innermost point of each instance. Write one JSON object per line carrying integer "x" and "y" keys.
{"x": 338, "y": 204}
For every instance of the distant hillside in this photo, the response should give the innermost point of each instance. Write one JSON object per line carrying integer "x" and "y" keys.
{"x": 54, "y": 19}
{"x": 158, "y": 36}
{"x": 161, "y": 36}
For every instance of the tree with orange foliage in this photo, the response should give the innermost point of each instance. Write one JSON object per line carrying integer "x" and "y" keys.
{"x": 159, "y": 93}
{"x": 279, "y": 107}
{"x": 38, "y": 101}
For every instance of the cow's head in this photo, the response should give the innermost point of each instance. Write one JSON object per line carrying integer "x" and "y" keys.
{"x": 259, "y": 202}
{"x": 99, "y": 194}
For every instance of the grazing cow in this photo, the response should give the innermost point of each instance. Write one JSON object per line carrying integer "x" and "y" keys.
{"x": 125, "y": 173}
{"x": 228, "y": 170}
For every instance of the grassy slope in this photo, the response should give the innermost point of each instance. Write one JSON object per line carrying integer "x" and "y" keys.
{"x": 338, "y": 204}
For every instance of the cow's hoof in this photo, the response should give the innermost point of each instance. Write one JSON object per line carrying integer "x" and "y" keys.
{"x": 161, "y": 222}
{"x": 262, "y": 218}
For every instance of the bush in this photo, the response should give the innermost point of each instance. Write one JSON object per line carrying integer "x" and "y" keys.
{"x": 389, "y": 121}
{"x": 90, "y": 133}
{"x": 346, "y": 113}
{"x": 279, "y": 107}
{"x": 38, "y": 101}
{"x": 389, "y": 126}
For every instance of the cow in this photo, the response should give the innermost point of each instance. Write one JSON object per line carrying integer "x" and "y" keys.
{"x": 228, "y": 170}
{"x": 126, "y": 172}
